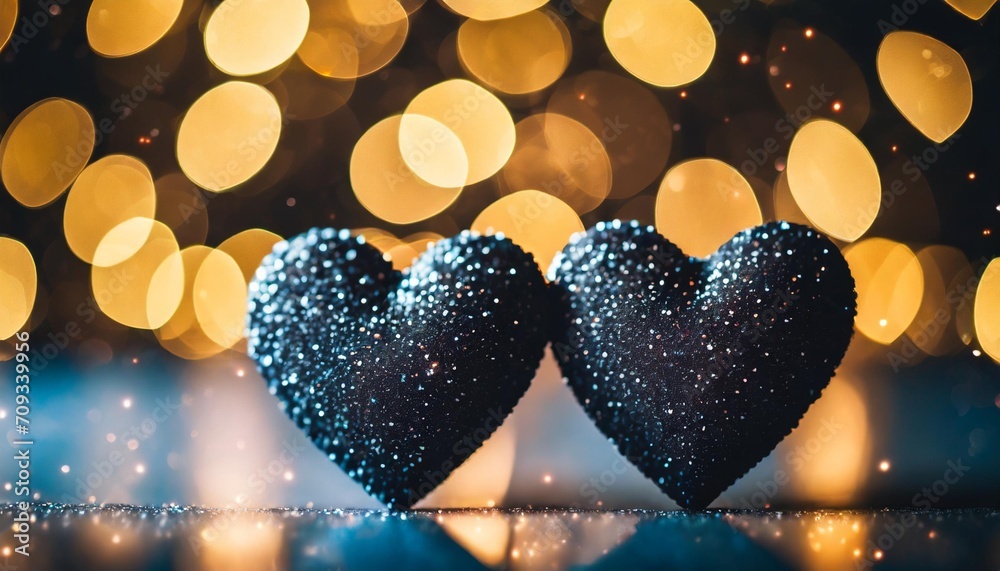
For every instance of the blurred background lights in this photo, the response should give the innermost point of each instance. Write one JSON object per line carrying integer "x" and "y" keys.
{"x": 890, "y": 286}
{"x": 144, "y": 290}
{"x": 117, "y": 28}
{"x": 353, "y": 38}
{"x": 662, "y": 42}
{"x": 927, "y": 81}
{"x": 182, "y": 334}
{"x": 432, "y": 151}
{"x": 248, "y": 37}
{"x": 108, "y": 192}
{"x": 8, "y": 19}
{"x": 702, "y": 203}
{"x": 478, "y": 119}
{"x": 44, "y": 149}
{"x": 219, "y": 294}
{"x": 18, "y": 286}
{"x": 560, "y": 156}
{"x": 517, "y": 55}
{"x": 974, "y": 9}
{"x": 386, "y": 186}
{"x": 228, "y": 135}
{"x": 987, "y": 310}
{"x": 934, "y": 329}
{"x": 539, "y": 223}
{"x": 248, "y": 249}
{"x": 834, "y": 179}
{"x": 492, "y": 9}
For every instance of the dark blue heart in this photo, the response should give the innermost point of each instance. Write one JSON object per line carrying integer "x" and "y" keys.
{"x": 697, "y": 368}
{"x": 399, "y": 377}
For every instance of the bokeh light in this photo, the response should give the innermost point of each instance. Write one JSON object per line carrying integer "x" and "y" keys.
{"x": 182, "y": 334}
{"x": 8, "y": 19}
{"x": 934, "y": 329}
{"x": 248, "y": 249}
{"x": 518, "y": 55}
{"x": 785, "y": 207}
{"x": 492, "y": 9}
{"x": 560, "y": 156}
{"x": 18, "y": 286}
{"x": 219, "y": 294}
{"x": 228, "y": 135}
{"x": 478, "y": 119}
{"x": 662, "y": 42}
{"x": 987, "y": 310}
{"x": 44, "y": 150}
{"x": 144, "y": 290}
{"x": 249, "y": 37}
{"x": 702, "y": 203}
{"x": 353, "y": 38}
{"x": 974, "y": 9}
{"x": 927, "y": 81}
{"x": 108, "y": 192}
{"x": 117, "y": 28}
{"x": 539, "y": 223}
{"x": 834, "y": 179}
{"x": 890, "y": 286}
{"x": 386, "y": 186}
{"x": 432, "y": 151}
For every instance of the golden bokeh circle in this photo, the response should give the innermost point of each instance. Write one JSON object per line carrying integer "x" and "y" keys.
{"x": 987, "y": 310}
{"x": 662, "y": 42}
{"x": 538, "y": 222}
{"x": 44, "y": 150}
{"x": 219, "y": 295}
{"x": 702, "y": 204}
{"x": 834, "y": 179}
{"x": 249, "y": 37}
{"x": 479, "y": 120}
{"x": 182, "y": 335}
{"x": 890, "y": 286}
{"x": 228, "y": 135}
{"x": 934, "y": 329}
{"x": 432, "y": 151}
{"x": 144, "y": 290}
{"x": 353, "y": 38}
{"x": 383, "y": 183}
{"x": 248, "y": 249}
{"x": 561, "y": 157}
{"x": 108, "y": 192}
{"x": 493, "y": 9}
{"x": 8, "y": 20}
{"x": 927, "y": 81}
{"x": 518, "y": 55}
{"x": 18, "y": 286}
{"x": 117, "y": 28}
{"x": 974, "y": 9}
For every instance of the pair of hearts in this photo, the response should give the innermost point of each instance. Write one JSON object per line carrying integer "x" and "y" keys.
{"x": 694, "y": 368}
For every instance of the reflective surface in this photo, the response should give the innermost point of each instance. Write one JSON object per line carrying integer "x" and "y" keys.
{"x": 128, "y": 537}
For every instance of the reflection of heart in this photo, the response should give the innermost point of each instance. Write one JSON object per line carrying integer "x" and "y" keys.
{"x": 398, "y": 377}
{"x": 696, "y": 368}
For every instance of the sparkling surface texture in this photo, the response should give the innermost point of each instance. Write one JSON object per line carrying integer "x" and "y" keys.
{"x": 697, "y": 368}
{"x": 398, "y": 377}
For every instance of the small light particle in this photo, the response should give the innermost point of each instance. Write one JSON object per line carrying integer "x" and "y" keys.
{"x": 290, "y": 202}
{"x": 837, "y": 105}
{"x": 127, "y": 403}
{"x": 135, "y": 360}
{"x": 883, "y": 322}
{"x": 6, "y": 552}
{"x": 932, "y": 534}
{"x": 884, "y": 466}
{"x": 289, "y": 475}
{"x": 788, "y": 85}
{"x": 809, "y": 32}
{"x": 116, "y": 539}
{"x": 111, "y": 437}
{"x": 65, "y": 469}
{"x": 744, "y": 59}
{"x": 987, "y": 232}
{"x": 240, "y": 373}
{"x": 547, "y": 478}
{"x": 684, "y": 94}
{"x": 894, "y": 148}
{"x": 878, "y": 554}
{"x": 140, "y": 469}
{"x": 972, "y": 176}
{"x": 976, "y": 352}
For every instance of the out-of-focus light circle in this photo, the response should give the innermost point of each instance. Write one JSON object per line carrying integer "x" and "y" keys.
{"x": 18, "y": 286}
{"x": 144, "y": 290}
{"x": 927, "y": 81}
{"x": 228, "y": 135}
{"x": 248, "y": 249}
{"x": 890, "y": 286}
{"x": 784, "y": 203}
{"x": 974, "y": 9}
{"x": 432, "y": 151}
{"x": 987, "y": 310}
{"x": 8, "y": 19}
{"x": 627, "y": 118}
{"x": 44, "y": 150}
{"x": 182, "y": 207}
{"x": 934, "y": 329}
{"x": 518, "y": 55}
{"x": 662, "y": 42}
{"x": 538, "y": 222}
{"x": 702, "y": 204}
{"x": 834, "y": 179}
{"x": 182, "y": 335}
{"x": 560, "y": 156}
{"x": 108, "y": 192}
{"x": 248, "y": 37}
{"x": 220, "y": 298}
{"x": 353, "y": 38}
{"x": 117, "y": 28}
{"x": 493, "y": 9}
{"x": 480, "y": 121}
{"x": 385, "y": 186}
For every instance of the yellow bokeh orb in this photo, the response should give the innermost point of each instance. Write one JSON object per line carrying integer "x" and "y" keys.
{"x": 249, "y": 37}
{"x": 248, "y": 249}
{"x": 890, "y": 286}
{"x": 493, "y": 9}
{"x": 117, "y": 28}
{"x": 987, "y": 310}
{"x": 219, "y": 295}
{"x": 18, "y": 286}
{"x": 353, "y": 38}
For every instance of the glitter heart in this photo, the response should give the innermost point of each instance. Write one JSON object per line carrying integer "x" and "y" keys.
{"x": 397, "y": 376}
{"x": 697, "y": 368}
